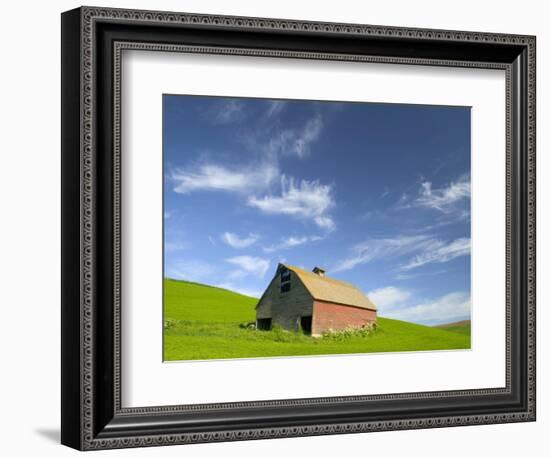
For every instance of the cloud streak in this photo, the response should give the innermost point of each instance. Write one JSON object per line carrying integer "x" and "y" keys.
{"x": 291, "y": 242}
{"x": 426, "y": 250}
{"x": 215, "y": 177}
{"x": 410, "y": 276}
{"x": 234, "y": 241}
{"x": 439, "y": 252}
{"x": 257, "y": 182}
{"x": 274, "y": 108}
{"x": 227, "y": 112}
{"x": 375, "y": 249}
{"x": 295, "y": 141}
{"x": 304, "y": 199}
{"x": 444, "y": 199}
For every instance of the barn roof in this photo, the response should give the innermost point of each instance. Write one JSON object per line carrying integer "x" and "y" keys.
{"x": 328, "y": 289}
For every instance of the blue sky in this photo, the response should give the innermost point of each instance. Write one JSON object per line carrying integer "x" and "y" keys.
{"x": 377, "y": 194}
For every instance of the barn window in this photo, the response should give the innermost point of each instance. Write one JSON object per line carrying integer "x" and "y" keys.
{"x": 263, "y": 324}
{"x": 285, "y": 275}
{"x": 285, "y": 287}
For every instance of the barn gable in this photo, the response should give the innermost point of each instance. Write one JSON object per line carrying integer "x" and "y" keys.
{"x": 286, "y": 301}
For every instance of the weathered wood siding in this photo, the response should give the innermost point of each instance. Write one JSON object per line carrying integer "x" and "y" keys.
{"x": 336, "y": 317}
{"x": 285, "y": 309}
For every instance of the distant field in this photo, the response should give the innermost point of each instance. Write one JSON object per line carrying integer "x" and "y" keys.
{"x": 203, "y": 322}
{"x": 462, "y": 327}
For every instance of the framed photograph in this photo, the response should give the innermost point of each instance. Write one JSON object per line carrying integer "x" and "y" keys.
{"x": 276, "y": 228}
{"x": 267, "y": 197}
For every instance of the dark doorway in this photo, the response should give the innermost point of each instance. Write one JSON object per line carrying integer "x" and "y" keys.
{"x": 305, "y": 324}
{"x": 263, "y": 324}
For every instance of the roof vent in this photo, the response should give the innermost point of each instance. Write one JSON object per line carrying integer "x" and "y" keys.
{"x": 319, "y": 271}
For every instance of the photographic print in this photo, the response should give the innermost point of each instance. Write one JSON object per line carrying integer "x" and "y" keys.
{"x": 303, "y": 227}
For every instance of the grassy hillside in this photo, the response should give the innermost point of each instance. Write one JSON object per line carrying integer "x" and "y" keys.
{"x": 204, "y": 322}
{"x": 196, "y": 302}
{"x": 462, "y": 327}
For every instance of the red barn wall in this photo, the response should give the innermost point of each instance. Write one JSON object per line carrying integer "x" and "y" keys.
{"x": 337, "y": 317}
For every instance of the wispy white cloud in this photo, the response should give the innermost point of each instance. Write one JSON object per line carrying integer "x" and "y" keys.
{"x": 310, "y": 133}
{"x": 250, "y": 265}
{"x": 295, "y": 141}
{"x": 374, "y": 249}
{"x": 234, "y": 241}
{"x": 426, "y": 250}
{"x": 304, "y": 199}
{"x": 291, "y": 242}
{"x": 439, "y": 252}
{"x": 215, "y": 177}
{"x": 325, "y": 222}
{"x": 444, "y": 199}
{"x": 227, "y": 112}
{"x": 446, "y": 219}
{"x": 274, "y": 108}
{"x": 410, "y": 276}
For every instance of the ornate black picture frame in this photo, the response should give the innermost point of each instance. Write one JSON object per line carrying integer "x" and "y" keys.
{"x": 92, "y": 42}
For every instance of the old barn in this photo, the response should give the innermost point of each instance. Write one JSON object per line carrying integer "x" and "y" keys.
{"x": 312, "y": 302}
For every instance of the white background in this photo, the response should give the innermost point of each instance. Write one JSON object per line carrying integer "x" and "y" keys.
{"x": 30, "y": 245}
{"x": 148, "y": 75}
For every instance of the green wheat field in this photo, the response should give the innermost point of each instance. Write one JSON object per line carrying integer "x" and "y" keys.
{"x": 205, "y": 322}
